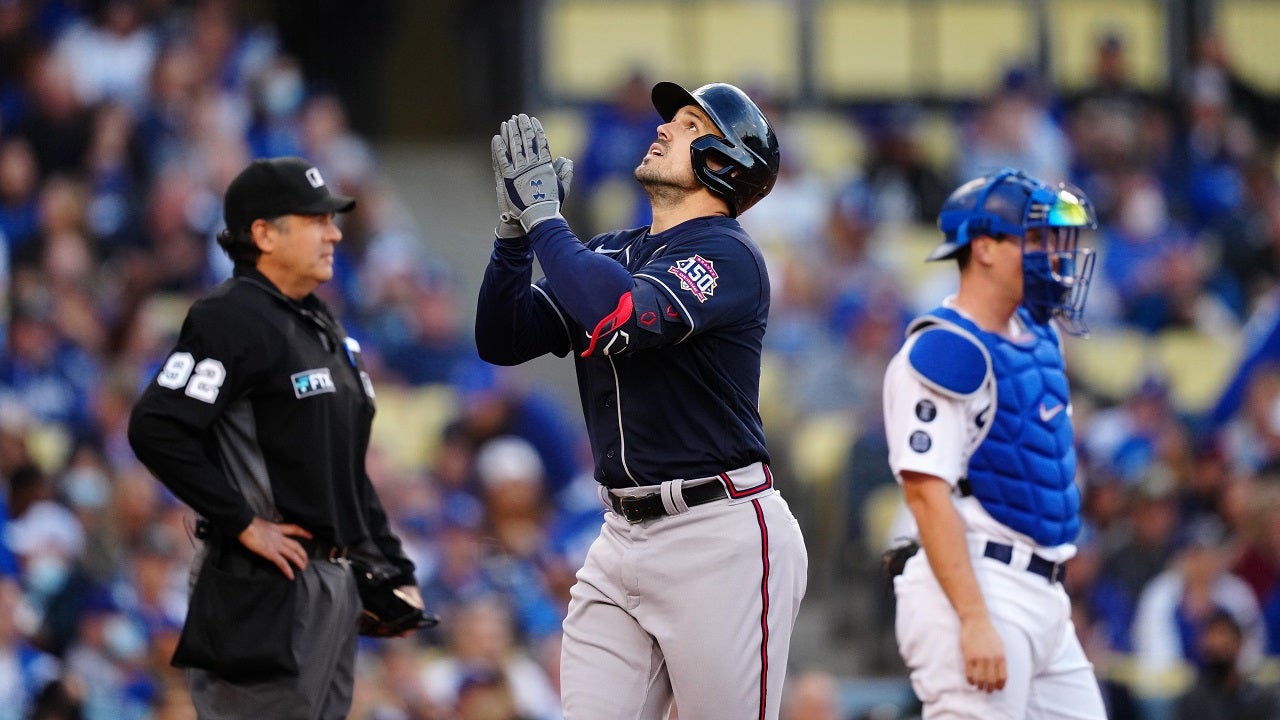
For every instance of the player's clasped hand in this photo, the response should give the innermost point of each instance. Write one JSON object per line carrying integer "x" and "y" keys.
{"x": 531, "y": 185}
{"x": 508, "y": 216}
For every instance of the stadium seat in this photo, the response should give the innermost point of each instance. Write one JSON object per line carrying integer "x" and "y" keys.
{"x": 830, "y": 143}
{"x": 1077, "y": 26}
{"x": 864, "y": 48}
{"x": 1249, "y": 30}
{"x": 589, "y": 47}
{"x": 752, "y": 43}
{"x": 1111, "y": 363}
{"x": 962, "y": 67}
{"x": 411, "y": 423}
{"x": 1197, "y": 364}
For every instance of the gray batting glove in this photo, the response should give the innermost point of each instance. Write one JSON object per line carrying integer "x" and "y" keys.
{"x": 529, "y": 177}
{"x": 509, "y": 227}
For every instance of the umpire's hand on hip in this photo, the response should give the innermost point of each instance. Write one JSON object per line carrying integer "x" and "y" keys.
{"x": 275, "y": 542}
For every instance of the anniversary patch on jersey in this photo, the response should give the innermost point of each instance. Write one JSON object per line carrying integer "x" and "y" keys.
{"x": 697, "y": 275}
{"x": 312, "y": 382}
{"x": 920, "y": 441}
{"x": 926, "y": 410}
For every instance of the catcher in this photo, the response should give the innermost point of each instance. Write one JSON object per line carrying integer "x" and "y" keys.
{"x": 259, "y": 419}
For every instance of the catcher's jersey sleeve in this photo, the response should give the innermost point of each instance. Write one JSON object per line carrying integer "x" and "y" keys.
{"x": 927, "y": 432}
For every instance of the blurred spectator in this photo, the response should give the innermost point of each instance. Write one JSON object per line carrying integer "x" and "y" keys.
{"x": 276, "y": 94}
{"x": 486, "y": 695}
{"x": 617, "y": 133}
{"x": 24, "y": 669}
{"x": 1222, "y": 691}
{"x": 19, "y": 192}
{"x": 1258, "y": 561}
{"x": 511, "y": 477}
{"x": 109, "y": 53}
{"x": 48, "y": 542}
{"x": 109, "y": 657}
{"x": 1125, "y": 440}
{"x": 55, "y": 123}
{"x": 482, "y": 641}
{"x": 1013, "y": 128}
{"x": 1156, "y": 268}
{"x": 1176, "y": 604}
{"x": 905, "y": 188}
{"x": 491, "y": 404}
{"x": 811, "y": 695}
{"x": 1251, "y": 438}
{"x": 49, "y": 376}
{"x": 1137, "y": 553}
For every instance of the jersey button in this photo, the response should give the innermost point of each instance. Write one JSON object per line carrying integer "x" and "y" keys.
{"x": 609, "y": 454}
{"x": 608, "y": 402}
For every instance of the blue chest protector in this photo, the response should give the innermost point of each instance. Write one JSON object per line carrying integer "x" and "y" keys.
{"x": 1023, "y": 471}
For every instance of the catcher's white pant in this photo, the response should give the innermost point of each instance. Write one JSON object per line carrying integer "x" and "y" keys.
{"x": 1049, "y": 675}
{"x": 698, "y": 605}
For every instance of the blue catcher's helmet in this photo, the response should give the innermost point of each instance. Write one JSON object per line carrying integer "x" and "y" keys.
{"x": 1056, "y": 275}
{"x": 746, "y": 158}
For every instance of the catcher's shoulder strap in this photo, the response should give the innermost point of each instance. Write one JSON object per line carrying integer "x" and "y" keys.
{"x": 947, "y": 357}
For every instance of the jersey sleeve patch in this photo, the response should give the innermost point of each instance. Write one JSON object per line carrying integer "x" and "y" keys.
{"x": 949, "y": 362}
{"x": 697, "y": 276}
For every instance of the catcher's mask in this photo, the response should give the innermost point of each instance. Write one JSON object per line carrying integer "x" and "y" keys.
{"x": 1055, "y": 271}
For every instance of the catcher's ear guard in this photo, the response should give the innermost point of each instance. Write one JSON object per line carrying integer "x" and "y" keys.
{"x": 894, "y": 560}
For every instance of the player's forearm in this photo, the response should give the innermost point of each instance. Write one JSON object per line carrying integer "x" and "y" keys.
{"x": 586, "y": 283}
{"x": 942, "y": 537}
{"x": 508, "y": 328}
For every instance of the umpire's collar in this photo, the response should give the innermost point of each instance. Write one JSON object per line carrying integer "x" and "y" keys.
{"x": 311, "y": 307}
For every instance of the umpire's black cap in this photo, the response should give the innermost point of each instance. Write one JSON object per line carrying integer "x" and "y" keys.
{"x": 271, "y": 187}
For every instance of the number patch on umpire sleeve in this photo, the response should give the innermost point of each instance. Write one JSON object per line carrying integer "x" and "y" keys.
{"x": 202, "y": 380}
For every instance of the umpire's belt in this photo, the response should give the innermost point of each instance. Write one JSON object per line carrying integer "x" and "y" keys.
{"x": 321, "y": 550}
{"x": 1048, "y": 569}
{"x": 647, "y": 507}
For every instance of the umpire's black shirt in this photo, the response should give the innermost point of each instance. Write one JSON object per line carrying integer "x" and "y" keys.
{"x": 265, "y": 403}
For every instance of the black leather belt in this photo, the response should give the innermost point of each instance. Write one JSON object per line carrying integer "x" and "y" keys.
{"x": 647, "y": 507}
{"x": 1047, "y": 569}
{"x": 320, "y": 550}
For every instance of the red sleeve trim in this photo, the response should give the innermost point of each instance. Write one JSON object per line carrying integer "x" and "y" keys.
{"x": 611, "y": 322}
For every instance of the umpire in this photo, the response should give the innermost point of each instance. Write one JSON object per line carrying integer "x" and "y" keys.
{"x": 259, "y": 420}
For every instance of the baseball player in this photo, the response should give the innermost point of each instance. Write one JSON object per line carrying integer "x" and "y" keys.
{"x": 978, "y": 419}
{"x": 692, "y": 588}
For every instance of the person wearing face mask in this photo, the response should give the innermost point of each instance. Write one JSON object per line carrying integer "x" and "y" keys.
{"x": 1221, "y": 692}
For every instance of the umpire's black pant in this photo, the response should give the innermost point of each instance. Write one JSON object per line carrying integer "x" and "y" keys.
{"x": 324, "y": 644}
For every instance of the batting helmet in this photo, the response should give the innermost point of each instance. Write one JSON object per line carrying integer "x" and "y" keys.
{"x": 1056, "y": 274}
{"x": 745, "y": 159}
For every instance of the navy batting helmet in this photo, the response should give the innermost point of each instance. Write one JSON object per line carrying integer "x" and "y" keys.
{"x": 745, "y": 159}
{"x": 1055, "y": 274}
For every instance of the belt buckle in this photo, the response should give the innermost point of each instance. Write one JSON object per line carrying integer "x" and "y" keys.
{"x": 337, "y": 554}
{"x": 1058, "y": 572}
{"x": 628, "y": 507}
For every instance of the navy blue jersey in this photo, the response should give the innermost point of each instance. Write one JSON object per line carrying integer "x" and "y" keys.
{"x": 669, "y": 381}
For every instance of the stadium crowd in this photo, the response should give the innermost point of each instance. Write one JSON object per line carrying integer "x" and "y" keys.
{"x": 120, "y": 126}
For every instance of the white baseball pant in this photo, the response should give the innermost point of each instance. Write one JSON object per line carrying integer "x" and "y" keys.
{"x": 697, "y": 607}
{"x": 1049, "y": 676}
